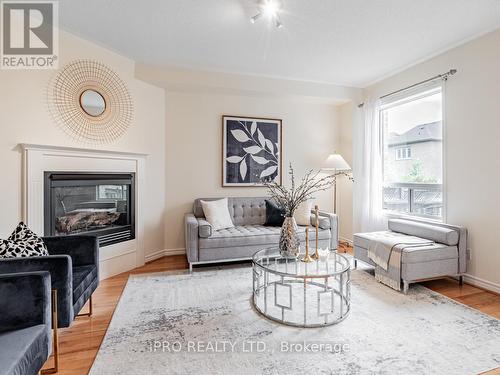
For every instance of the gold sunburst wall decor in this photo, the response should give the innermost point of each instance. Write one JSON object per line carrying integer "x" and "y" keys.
{"x": 90, "y": 102}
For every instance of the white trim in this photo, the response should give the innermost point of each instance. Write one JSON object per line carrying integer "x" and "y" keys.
{"x": 30, "y": 146}
{"x": 164, "y": 253}
{"x": 485, "y": 284}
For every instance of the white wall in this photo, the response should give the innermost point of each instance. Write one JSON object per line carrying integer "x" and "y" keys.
{"x": 194, "y": 146}
{"x": 472, "y": 140}
{"x": 24, "y": 118}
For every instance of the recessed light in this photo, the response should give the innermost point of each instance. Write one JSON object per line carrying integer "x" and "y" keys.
{"x": 271, "y": 9}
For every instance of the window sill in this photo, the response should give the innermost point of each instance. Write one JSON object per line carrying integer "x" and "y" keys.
{"x": 422, "y": 218}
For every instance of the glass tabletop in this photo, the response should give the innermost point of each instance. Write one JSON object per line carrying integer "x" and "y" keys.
{"x": 272, "y": 261}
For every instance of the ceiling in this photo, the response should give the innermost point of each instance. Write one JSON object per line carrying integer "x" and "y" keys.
{"x": 345, "y": 42}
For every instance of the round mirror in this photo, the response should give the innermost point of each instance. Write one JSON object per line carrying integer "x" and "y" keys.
{"x": 92, "y": 103}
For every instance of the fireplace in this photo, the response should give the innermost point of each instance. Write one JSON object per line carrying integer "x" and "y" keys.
{"x": 90, "y": 203}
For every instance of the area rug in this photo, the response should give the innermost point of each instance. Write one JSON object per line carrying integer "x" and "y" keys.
{"x": 203, "y": 323}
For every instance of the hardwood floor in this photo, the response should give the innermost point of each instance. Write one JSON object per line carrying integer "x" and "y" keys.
{"x": 78, "y": 345}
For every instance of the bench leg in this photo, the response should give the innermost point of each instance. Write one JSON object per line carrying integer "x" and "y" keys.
{"x": 460, "y": 280}
{"x": 406, "y": 286}
{"x": 355, "y": 263}
{"x": 190, "y": 268}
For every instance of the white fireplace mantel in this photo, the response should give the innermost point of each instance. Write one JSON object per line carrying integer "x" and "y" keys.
{"x": 37, "y": 159}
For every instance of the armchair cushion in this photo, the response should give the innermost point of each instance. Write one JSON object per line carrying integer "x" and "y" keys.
{"x": 24, "y": 351}
{"x": 83, "y": 276}
{"x": 29, "y": 240}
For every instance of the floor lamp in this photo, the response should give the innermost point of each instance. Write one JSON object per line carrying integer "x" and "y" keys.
{"x": 335, "y": 163}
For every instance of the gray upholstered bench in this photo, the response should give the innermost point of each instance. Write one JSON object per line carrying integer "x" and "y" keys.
{"x": 446, "y": 257}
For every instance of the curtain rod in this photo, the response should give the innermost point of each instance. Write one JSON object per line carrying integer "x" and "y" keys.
{"x": 443, "y": 76}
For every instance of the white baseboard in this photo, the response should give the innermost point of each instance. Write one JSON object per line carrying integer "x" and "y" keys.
{"x": 484, "y": 284}
{"x": 163, "y": 253}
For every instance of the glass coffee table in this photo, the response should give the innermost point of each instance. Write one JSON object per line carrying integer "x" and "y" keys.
{"x": 300, "y": 294}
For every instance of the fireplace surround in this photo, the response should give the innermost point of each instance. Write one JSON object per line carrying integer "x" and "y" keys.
{"x": 37, "y": 159}
{"x": 102, "y": 204}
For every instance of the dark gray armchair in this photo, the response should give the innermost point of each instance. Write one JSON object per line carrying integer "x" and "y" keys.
{"x": 25, "y": 322}
{"x": 73, "y": 265}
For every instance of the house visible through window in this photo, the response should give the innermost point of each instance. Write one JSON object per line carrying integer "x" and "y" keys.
{"x": 412, "y": 154}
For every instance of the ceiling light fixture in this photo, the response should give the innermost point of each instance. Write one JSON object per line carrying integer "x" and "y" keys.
{"x": 271, "y": 9}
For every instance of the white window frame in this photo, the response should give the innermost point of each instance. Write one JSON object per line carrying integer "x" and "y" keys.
{"x": 403, "y": 153}
{"x": 407, "y": 96}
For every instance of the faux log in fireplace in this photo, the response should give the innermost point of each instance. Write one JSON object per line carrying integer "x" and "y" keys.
{"x": 90, "y": 203}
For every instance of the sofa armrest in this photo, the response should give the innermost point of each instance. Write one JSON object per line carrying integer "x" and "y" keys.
{"x": 83, "y": 249}
{"x": 205, "y": 229}
{"x": 25, "y": 300}
{"x": 334, "y": 228}
{"x": 61, "y": 275}
{"x": 191, "y": 236}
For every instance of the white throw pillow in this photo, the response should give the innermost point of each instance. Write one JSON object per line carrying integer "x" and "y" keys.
{"x": 217, "y": 214}
{"x": 302, "y": 214}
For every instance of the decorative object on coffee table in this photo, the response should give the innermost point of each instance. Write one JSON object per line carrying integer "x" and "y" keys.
{"x": 251, "y": 150}
{"x": 289, "y": 199}
{"x": 315, "y": 256}
{"x": 90, "y": 102}
{"x": 307, "y": 258}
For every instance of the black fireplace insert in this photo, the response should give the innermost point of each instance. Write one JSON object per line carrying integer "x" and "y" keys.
{"x": 90, "y": 203}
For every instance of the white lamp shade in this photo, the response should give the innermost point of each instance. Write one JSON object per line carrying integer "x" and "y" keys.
{"x": 335, "y": 162}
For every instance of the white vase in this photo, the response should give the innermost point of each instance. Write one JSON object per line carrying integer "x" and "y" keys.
{"x": 289, "y": 238}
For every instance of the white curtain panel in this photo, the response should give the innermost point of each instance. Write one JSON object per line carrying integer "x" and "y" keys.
{"x": 367, "y": 169}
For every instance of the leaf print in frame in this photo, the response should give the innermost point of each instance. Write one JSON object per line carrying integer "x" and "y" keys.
{"x": 251, "y": 150}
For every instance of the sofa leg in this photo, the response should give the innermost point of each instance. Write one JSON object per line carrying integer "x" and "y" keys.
{"x": 460, "y": 280}
{"x": 90, "y": 308}
{"x": 54, "y": 369}
{"x": 406, "y": 286}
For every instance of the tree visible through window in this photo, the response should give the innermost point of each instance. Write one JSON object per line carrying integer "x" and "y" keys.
{"x": 412, "y": 154}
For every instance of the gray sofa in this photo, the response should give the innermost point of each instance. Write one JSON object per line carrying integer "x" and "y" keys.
{"x": 204, "y": 245}
{"x": 447, "y": 257}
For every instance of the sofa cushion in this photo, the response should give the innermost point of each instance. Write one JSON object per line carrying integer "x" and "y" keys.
{"x": 303, "y": 213}
{"x": 83, "y": 276}
{"x": 253, "y": 235}
{"x": 429, "y": 253}
{"x": 275, "y": 215}
{"x": 243, "y": 210}
{"x": 417, "y": 254}
{"x": 324, "y": 222}
{"x": 24, "y": 351}
{"x": 217, "y": 213}
{"x": 428, "y": 231}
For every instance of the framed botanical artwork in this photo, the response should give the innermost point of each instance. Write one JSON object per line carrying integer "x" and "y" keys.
{"x": 251, "y": 150}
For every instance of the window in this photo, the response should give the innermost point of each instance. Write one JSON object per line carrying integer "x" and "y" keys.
{"x": 412, "y": 136}
{"x": 403, "y": 153}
